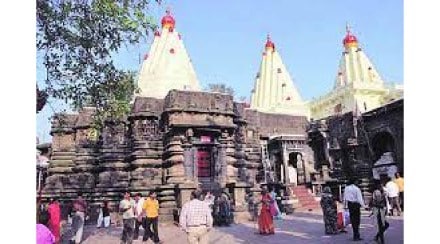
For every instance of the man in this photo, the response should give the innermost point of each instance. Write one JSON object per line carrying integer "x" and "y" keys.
{"x": 399, "y": 182}
{"x": 126, "y": 207}
{"x": 196, "y": 219}
{"x": 139, "y": 216}
{"x": 151, "y": 210}
{"x": 79, "y": 207}
{"x": 209, "y": 199}
{"x": 354, "y": 201}
{"x": 393, "y": 196}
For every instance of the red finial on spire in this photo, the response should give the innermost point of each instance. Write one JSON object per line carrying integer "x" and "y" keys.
{"x": 349, "y": 38}
{"x": 269, "y": 42}
{"x": 168, "y": 21}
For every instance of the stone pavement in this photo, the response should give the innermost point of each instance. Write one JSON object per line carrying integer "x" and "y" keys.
{"x": 302, "y": 227}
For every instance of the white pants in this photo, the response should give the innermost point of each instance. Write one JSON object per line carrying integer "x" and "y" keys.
{"x": 198, "y": 235}
{"x": 80, "y": 226}
{"x": 106, "y": 220}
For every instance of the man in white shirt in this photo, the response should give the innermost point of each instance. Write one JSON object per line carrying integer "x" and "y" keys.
{"x": 196, "y": 219}
{"x": 126, "y": 207}
{"x": 354, "y": 201}
{"x": 393, "y": 196}
{"x": 138, "y": 214}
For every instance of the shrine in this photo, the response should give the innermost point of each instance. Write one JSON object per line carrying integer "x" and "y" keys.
{"x": 177, "y": 138}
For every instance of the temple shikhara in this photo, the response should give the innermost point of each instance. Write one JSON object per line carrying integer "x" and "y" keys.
{"x": 178, "y": 138}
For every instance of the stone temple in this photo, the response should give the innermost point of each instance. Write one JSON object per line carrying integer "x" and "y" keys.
{"x": 178, "y": 138}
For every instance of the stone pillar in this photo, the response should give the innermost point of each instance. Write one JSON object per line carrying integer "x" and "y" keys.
{"x": 167, "y": 201}
{"x": 185, "y": 193}
{"x": 241, "y": 214}
{"x": 174, "y": 158}
{"x": 61, "y": 163}
{"x": 114, "y": 166}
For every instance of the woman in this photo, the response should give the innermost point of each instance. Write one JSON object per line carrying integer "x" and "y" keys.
{"x": 265, "y": 221}
{"x": 224, "y": 210}
{"x": 330, "y": 211}
{"x": 44, "y": 235}
{"x": 379, "y": 209}
{"x": 55, "y": 218}
{"x": 104, "y": 215}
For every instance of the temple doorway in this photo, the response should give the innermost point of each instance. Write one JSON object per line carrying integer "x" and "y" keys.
{"x": 205, "y": 162}
{"x": 205, "y": 165}
{"x": 296, "y": 169}
{"x": 382, "y": 142}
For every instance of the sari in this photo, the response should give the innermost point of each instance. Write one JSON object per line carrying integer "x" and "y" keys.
{"x": 54, "y": 220}
{"x": 265, "y": 220}
{"x": 330, "y": 212}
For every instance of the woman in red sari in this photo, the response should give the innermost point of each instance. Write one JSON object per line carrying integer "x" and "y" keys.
{"x": 55, "y": 217}
{"x": 265, "y": 221}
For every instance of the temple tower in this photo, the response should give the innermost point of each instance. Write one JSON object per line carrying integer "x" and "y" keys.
{"x": 167, "y": 66}
{"x": 358, "y": 86}
{"x": 274, "y": 91}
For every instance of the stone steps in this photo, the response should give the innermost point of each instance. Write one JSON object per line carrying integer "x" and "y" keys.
{"x": 305, "y": 198}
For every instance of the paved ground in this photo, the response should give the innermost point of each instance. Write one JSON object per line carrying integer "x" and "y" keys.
{"x": 296, "y": 228}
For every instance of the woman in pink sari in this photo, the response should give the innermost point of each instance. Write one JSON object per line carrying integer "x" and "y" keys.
{"x": 55, "y": 218}
{"x": 265, "y": 221}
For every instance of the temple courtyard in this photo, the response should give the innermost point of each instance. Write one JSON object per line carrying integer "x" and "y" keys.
{"x": 300, "y": 227}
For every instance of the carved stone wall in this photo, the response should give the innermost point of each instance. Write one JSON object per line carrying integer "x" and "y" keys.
{"x": 155, "y": 149}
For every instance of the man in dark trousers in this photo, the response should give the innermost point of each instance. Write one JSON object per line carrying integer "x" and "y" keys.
{"x": 354, "y": 201}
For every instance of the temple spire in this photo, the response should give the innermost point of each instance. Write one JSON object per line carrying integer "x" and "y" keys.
{"x": 167, "y": 66}
{"x": 274, "y": 91}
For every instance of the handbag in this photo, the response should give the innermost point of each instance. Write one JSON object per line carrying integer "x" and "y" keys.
{"x": 346, "y": 218}
{"x": 273, "y": 210}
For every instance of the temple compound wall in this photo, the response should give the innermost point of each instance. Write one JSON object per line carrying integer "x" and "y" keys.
{"x": 185, "y": 141}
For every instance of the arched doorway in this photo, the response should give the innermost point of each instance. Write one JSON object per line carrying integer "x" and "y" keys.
{"x": 296, "y": 169}
{"x": 382, "y": 142}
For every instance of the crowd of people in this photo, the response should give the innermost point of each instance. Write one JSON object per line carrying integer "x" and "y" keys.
{"x": 387, "y": 196}
{"x": 203, "y": 211}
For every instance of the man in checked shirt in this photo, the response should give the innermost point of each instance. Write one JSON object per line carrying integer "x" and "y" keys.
{"x": 196, "y": 219}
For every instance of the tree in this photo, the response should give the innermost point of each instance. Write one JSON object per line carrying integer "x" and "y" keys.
{"x": 41, "y": 99}
{"x": 221, "y": 87}
{"x": 78, "y": 39}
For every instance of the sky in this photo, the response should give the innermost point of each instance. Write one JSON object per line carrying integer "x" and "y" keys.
{"x": 225, "y": 40}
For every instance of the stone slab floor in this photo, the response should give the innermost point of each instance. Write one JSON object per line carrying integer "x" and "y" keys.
{"x": 301, "y": 227}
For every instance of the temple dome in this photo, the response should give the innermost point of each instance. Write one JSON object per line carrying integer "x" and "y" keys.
{"x": 168, "y": 21}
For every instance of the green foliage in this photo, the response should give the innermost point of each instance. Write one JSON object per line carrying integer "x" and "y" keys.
{"x": 78, "y": 38}
{"x": 221, "y": 87}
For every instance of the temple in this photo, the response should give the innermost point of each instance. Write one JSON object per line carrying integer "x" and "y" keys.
{"x": 177, "y": 138}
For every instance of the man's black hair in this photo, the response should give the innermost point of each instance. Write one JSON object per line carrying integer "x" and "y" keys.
{"x": 43, "y": 217}
{"x": 196, "y": 194}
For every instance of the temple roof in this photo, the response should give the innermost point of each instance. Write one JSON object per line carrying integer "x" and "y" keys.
{"x": 167, "y": 66}
{"x": 355, "y": 67}
{"x": 274, "y": 90}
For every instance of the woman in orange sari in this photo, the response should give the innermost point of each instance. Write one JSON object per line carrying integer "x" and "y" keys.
{"x": 265, "y": 221}
{"x": 54, "y": 219}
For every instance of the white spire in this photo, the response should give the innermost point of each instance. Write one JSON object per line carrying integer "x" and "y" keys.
{"x": 355, "y": 68}
{"x": 167, "y": 66}
{"x": 274, "y": 90}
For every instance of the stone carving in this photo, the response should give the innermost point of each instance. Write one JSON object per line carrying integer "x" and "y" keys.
{"x": 385, "y": 166}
